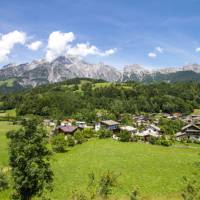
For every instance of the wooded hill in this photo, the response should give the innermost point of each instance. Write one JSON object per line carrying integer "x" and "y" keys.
{"x": 84, "y": 97}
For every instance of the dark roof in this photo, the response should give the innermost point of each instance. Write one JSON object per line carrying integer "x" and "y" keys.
{"x": 68, "y": 128}
{"x": 110, "y": 122}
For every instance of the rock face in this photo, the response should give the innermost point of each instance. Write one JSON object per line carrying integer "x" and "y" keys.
{"x": 62, "y": 68}
{"x": 67, "y": 67}
{"x": 172, "y": 74}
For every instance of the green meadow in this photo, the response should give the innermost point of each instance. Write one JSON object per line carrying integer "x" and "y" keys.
{"x": 157, "y": 171}
{"x": 8, "y": 82}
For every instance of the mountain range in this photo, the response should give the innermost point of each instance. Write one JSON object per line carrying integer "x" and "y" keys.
{"x": 62, "y": 68}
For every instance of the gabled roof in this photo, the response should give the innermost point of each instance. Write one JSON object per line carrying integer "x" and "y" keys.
{"x": 67, "y": 129}
{"x": 190, "y": 125}
{"x": 128, "y": 128}
{"x": 110, "y": 122}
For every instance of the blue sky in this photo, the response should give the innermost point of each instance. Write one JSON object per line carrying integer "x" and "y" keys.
{"x": 153, "y": 33}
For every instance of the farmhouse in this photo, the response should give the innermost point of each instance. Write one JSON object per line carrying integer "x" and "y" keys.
{"x": 130, "y": 129}
{"x": 150, "y": 131}
{"x": 50, "y": 123}
{"x": 81, "y": 124}
{"x": 67, "y": 130}
{"x": 110, "y": 125}
{"x": 191, "y": 131}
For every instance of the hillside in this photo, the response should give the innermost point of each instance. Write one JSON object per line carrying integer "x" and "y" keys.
{"x": 83, "y": 97}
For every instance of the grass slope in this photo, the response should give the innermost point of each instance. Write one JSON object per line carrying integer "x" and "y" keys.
{"x": 156, "y": 170}
{"x": 8, "y": 82}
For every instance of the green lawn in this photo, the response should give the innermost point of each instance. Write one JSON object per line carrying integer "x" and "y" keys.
{"x": 156, "y": 170}
{"x": 105, "y": 84}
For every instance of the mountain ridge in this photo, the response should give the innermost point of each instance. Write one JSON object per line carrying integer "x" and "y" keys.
{"x": 63, "y": 68}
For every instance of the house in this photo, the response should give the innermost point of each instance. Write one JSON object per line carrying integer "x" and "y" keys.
{"x": 190, "y": 131}
{"x": 67, "y": 122}
{"x": 97, "y": 126}
{"x": 176, "y": 115}
{"x": 67, "y": 130}
{"x": 150, "y": 131}
{"x": 50, "y": 123}
{"x": 110, "y": 125}
{"x": 196, "y": 117}
{"x": 81, "y": 124}
{"x": 141, "y": 120}
{"x": 129, "y": 129}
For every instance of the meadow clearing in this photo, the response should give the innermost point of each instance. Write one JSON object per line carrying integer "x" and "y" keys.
{"x": 157, "y": 171}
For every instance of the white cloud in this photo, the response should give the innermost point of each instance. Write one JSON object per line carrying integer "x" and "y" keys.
{"x": 198, "y": 49}
{"x": 8, "y": 41}
{"x": 110, "y": 52}
{"x": 159, "y": 49}
{"x": 58, "y": 44}
{"x": 152, "y": 55}
{"x": 35, "y": 45}
{"x": 85, "y": 49}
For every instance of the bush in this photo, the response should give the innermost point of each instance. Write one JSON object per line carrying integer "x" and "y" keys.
{"x": 153, "y": 140}
{"x": 135, "y": 138}
{"x": 107, "y": 181}
{"x": 79, "y": 137}
{"x": 165, "y": 142}
{"x": 76, "y": 195}
{"x": 196, "y": 141}
{"x": 88, "y": 133}
{"x": 134, "y": 195}
{"x": 3, "y": 181}
{"x": 59, "y": 143}
{"x": 70, "y": 141}
{"x": 125, "y": 136}
{"x": 160, "y": 141}
{"x": 104, "y": 133}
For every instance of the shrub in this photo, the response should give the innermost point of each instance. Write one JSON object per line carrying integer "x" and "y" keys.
{"x": 107, "y": 181}
{"x": 134, "y": 195}
{"x": 3, "y": 181}
{"x": 125, "y": 136}
{"x": 135, "y": 138}
{"x": 103, "y": 133}
{"x": 70, "y": 141}
{"x": 196, "y": 141}
{"x": 58, "y": 143}
{"x": 160, "y": 141}
{"x": 79, "y": 137}
{"x": 165, "y": 142}
{"x": 88, "y": 133}
{"x": 153, "y": 140}
{"x": 76, "y": 195}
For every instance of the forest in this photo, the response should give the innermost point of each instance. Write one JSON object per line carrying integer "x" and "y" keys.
{"x": 84, "y": 97}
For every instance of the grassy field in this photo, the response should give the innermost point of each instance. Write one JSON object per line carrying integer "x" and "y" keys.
{"x": 156, "y": 170}
{"x": 4, "y": 127}
{"x": 8, "y": 83}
